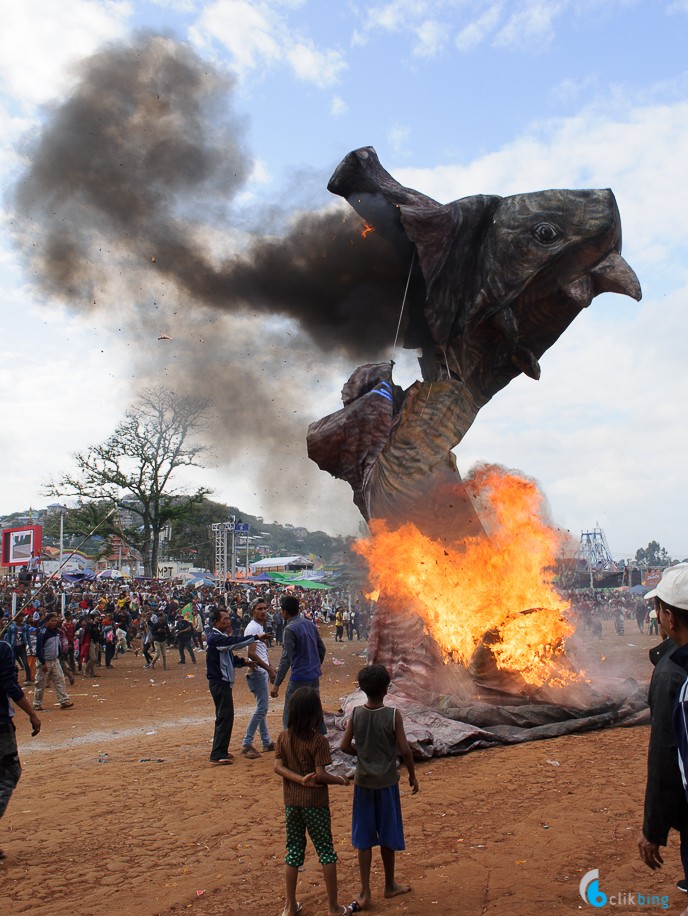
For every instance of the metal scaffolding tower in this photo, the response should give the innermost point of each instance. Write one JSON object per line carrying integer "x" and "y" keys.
{"x": 220, "y": 532}
{"x": 594, "y": 549}
{"x": 225, "y": 561}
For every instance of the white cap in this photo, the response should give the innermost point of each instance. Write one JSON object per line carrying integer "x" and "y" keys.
{"x": 673, "y": 586}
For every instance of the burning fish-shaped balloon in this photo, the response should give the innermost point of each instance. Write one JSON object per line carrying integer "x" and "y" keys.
{"x": 503, "y": 276}
{"x": 497, "y": 280}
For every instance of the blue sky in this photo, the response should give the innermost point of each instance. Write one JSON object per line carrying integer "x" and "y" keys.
{"x": 458, "y": 98}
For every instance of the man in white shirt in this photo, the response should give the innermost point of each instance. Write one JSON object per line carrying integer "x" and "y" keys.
{"x": 257, "y": 681}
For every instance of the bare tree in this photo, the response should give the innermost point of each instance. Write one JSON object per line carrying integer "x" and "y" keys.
{"x": 134, "y": 468}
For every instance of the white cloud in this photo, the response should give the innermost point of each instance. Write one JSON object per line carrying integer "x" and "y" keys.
{"x": 338, "y": 106}
{"x": 429, "y": 23}
{"x": 398, "y": 137}
{"x": 259, "y": 35}
{"x": 41, "y": 39}
{"x": 311, "y": 65}
{"x": 531, "y": 25}
{"x": 431, "y": 37}
{"x": 475, "y": 32}
{"x": 179, "y": 6}
{"x": 569, "y": 89}
{"x": 678, "y": 6}
{"x": 75, "y": 398}
{"x": 249, "y": 31}
{"x": 393, "y": 16}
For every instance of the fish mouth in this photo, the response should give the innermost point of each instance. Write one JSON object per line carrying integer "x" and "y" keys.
{"x": 611, "y": 275}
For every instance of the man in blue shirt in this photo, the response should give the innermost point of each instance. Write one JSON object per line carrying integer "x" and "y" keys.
{"x": 48, "y": 663}
{"x": 220, "y": 664}
{"x": 10, "y": 692}
{"x": 303, "y": 651}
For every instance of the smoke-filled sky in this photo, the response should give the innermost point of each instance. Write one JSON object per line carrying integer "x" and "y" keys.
{"x": 165, "y": 168}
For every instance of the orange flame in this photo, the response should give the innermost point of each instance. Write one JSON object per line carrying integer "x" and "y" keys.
{"x": 367, "y": 229}
{"x": 498, "y": 586}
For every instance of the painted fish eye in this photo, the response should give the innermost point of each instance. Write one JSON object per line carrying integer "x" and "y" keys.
{"x": 546, "y": 233}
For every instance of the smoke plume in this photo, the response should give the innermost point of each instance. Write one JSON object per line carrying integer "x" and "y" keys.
{"x": 134, "y": 203}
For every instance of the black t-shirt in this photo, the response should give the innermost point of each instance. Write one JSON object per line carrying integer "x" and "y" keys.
{"x": 160, "y": 631}
{"x": 184, "y": 626}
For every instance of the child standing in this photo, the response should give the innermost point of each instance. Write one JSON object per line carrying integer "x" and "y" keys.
{"x": 301, "y": 756}
{"x": 377, "y": 733}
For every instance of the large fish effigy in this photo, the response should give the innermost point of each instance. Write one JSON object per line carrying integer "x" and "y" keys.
{"x": 492, "y": 284}
{"x": 498, "y": 280}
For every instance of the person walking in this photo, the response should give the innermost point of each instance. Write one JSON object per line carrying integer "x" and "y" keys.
{"x": 69, "y": 630}
{"x": 17, "y": 637}
{"x": 11, "y": 693}
{"x": 161, "y": 633}
{"x": 146, "y": 638}
{"x": 185, "y": 636}
{"x": 257, "y": 681}
{"x": 48, "y": 663}
{"x": 92, "y": 639}
{"x": 221, "y": 663}
{"x": 339, "y": 624}
{"x": 303, "y": 653}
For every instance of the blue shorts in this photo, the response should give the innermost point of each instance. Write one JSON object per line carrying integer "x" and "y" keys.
{"x": 376, "y": 818}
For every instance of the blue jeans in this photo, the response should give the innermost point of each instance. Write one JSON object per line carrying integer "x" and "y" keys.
{"x": 258, "y": 685}
{"x": 292, "y": 686}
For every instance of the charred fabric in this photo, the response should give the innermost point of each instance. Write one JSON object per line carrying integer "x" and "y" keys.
{"x": 492, "y": 283}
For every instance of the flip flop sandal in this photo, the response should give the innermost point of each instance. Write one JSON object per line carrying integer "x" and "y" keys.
{"x": 299, "y": 907}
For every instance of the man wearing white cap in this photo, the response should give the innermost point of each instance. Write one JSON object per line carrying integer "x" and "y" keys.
{"x": 665, "y": 799}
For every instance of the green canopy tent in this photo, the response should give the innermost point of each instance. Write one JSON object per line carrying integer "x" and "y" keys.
{"x": 308, "y": 583}
{"x": 291, "y": 579}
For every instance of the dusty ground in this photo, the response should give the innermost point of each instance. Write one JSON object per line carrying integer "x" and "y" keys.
{"x": 118, "y": 810}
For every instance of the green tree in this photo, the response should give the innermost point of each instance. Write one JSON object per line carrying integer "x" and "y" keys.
{"x": 192, "y": 536}
{"x": 652, "y": 555}
{"x": 134, "y": 469}
{"x": 80, "y": 521}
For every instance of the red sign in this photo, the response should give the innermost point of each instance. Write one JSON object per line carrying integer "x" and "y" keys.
{"x": 651, "y": 577}
{"x": 19, "y": 543}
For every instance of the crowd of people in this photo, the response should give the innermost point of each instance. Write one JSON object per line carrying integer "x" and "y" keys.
{"x": 99, "y": 620}
{"x": 591, "y": 607}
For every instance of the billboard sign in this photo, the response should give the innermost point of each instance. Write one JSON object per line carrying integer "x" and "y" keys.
{"x": 19, "y": 543}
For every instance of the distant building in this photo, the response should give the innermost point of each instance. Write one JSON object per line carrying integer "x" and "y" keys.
{"x": 281, "y": 564}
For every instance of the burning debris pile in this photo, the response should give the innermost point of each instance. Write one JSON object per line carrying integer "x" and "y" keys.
{"x": 475, "y": 634}
{"x": 488, "y": 603}
{"x": 468, "y": 622}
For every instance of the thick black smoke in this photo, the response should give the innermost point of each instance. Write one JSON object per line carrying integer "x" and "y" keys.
{"x": 129, "y": 205}
{"x": 143, "y": 157}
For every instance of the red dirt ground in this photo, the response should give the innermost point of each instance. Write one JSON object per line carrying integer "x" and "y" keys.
{"x": 119, "y": 812}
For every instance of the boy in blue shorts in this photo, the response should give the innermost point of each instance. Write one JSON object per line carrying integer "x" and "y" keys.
{"x": 375, "y": 735}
